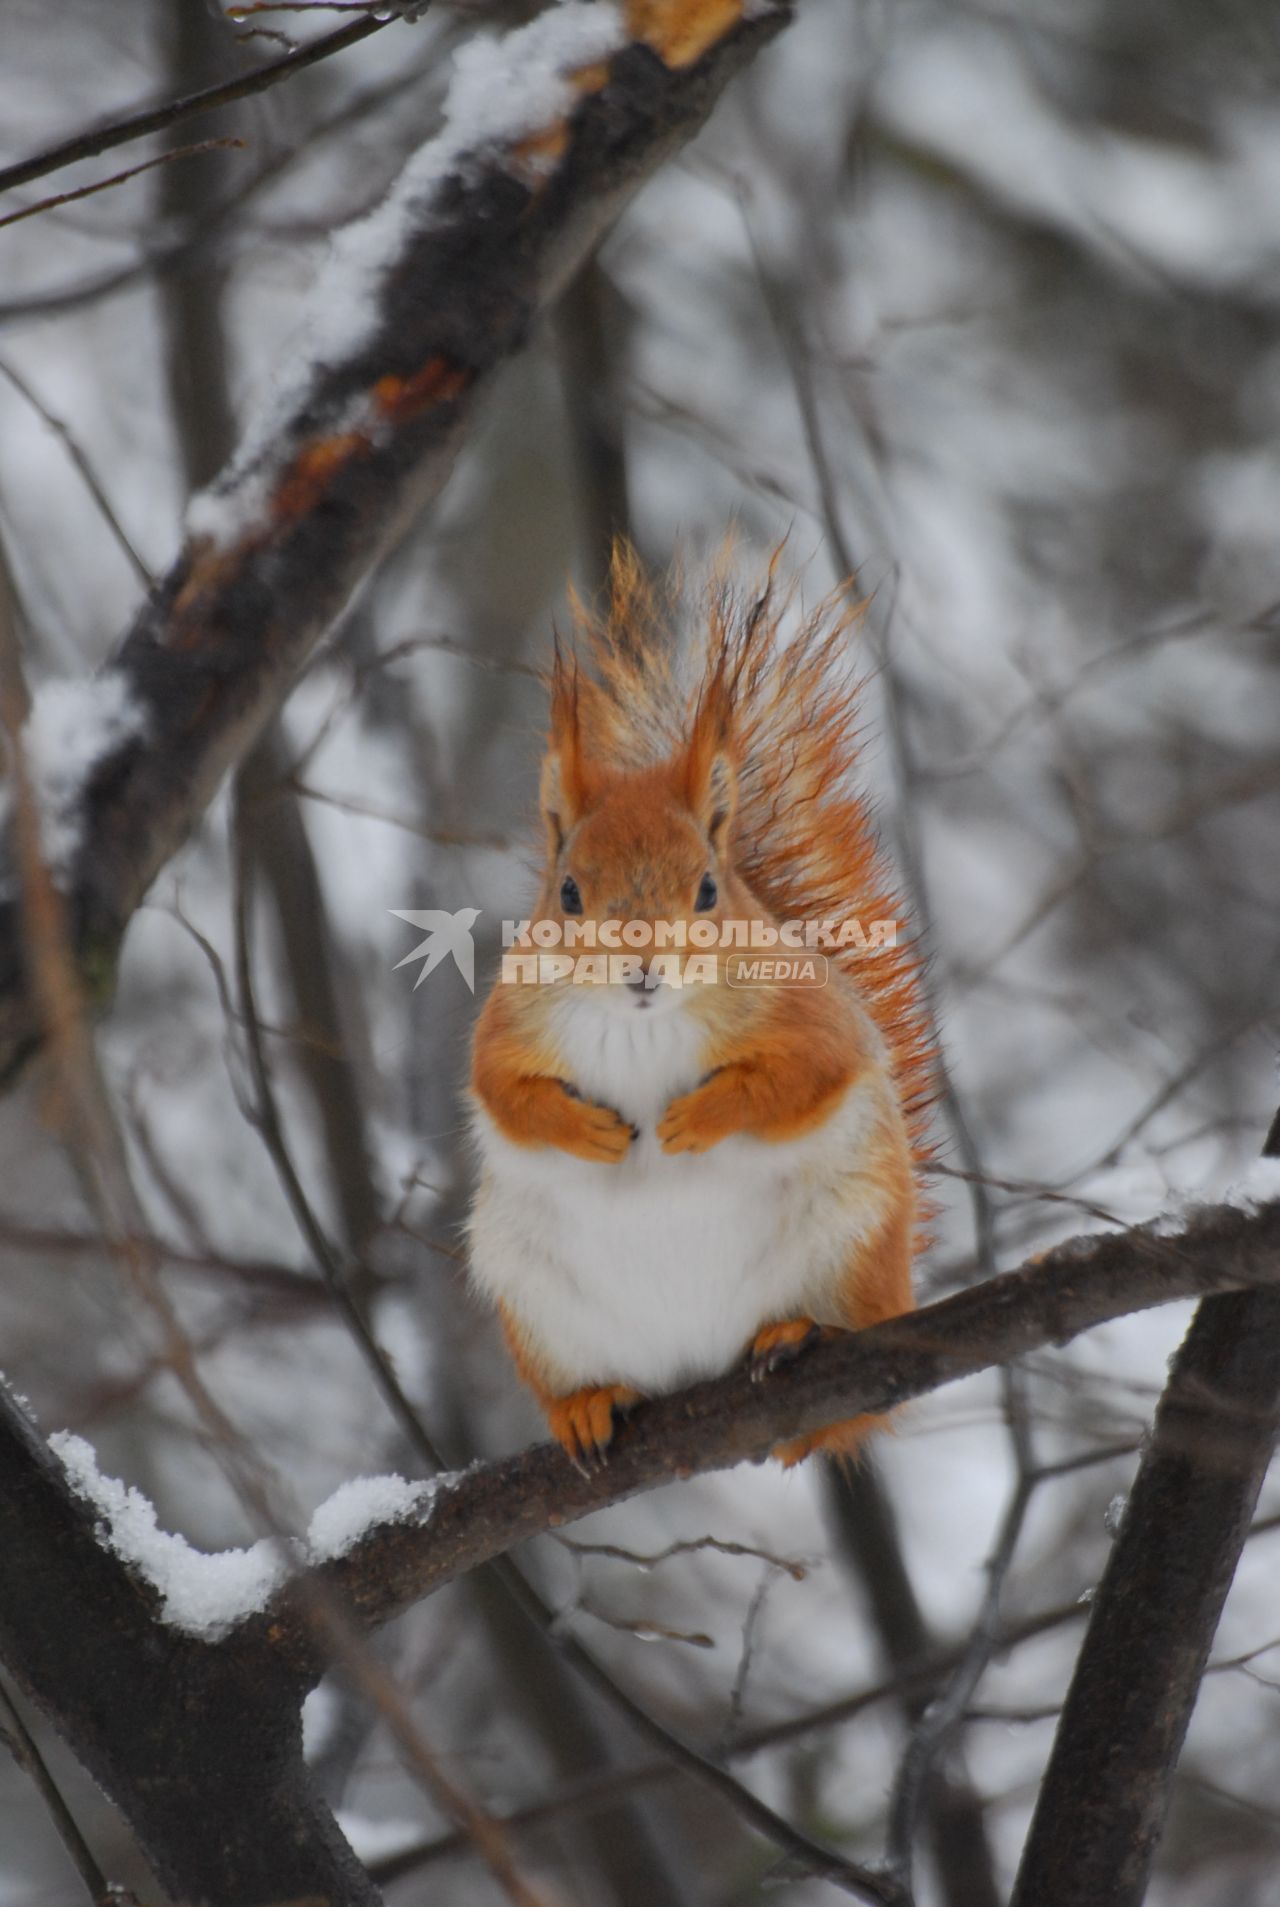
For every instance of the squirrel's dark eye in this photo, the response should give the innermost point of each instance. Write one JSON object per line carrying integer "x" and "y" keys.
{"x": 570, "y": 898}
{"x": 706, "y": 895}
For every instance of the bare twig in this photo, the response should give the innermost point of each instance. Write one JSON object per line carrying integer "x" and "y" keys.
{"x": 81, "y": 461}
{"x": 120, "y": 132}
{"x": 746, "y": 1656}
{"x": 119, "y": 178}
{"x": 691, "y": 1546}
{"x": 267, "y": 1118}
{"x": 948, "y": 1709}
{"x": 602, "y": 1790}
{"x": 18, "y": 1739}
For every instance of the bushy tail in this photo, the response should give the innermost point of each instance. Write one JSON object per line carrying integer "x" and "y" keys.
{"x": 802, "y": 839}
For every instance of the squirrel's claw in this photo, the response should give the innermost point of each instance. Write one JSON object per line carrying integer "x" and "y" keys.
{"x": 777, "y": 1344}
{"x": 605, "y": 1136}
{"x": 582, "y": 1423}
{"x": 681, "y": 1129}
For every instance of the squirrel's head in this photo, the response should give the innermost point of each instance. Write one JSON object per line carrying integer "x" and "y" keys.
{"x": 637, "y": 857}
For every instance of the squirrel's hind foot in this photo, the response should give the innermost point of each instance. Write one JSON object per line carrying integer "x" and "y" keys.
{"x": 777, "y": 1344}
{"x": 582, "y": 1422}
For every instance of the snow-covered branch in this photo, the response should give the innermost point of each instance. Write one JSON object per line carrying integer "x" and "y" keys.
{"x": 546, "y": 133}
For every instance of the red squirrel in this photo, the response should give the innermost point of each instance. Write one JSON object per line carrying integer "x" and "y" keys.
{"x": 677, "y": 1173}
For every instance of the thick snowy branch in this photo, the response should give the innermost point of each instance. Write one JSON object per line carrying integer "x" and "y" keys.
{"x": 546, "y": 134}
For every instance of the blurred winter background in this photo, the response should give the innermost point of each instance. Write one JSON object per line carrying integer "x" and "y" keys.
{"x": 979, "y": 300}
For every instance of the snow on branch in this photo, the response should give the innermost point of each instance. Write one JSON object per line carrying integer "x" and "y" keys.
{"x": 72, "y": 727}
{"x": 546, "y": 133}
{"x": 206, "y": 1595}
{"x": 383, "y": 1543}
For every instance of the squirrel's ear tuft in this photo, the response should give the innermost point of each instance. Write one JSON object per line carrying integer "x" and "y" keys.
{"x": 711, "y": 776}
{"x": 563, "y": 788}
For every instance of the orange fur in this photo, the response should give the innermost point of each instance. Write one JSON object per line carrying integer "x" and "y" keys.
{"x": 749, "y": 749}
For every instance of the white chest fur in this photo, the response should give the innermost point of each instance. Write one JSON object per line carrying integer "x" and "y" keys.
{"x": 661, "y": 1269}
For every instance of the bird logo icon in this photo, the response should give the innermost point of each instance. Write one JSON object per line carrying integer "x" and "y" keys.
{"x": 446, "y": 934}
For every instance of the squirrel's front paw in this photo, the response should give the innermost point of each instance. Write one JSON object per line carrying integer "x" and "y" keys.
{"x": 598, "y": 1133}
{"x": 692, "y": 1123}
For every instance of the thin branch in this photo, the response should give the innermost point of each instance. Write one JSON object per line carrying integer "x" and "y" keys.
{"x": 21, "y": 1745}
{"x": 797, "y": 1571}
{"x": 599, "y": 1791}
{"x": 120, "y": 132}
{"x": 746, "y": 1657}
{"x": 261, "y": 1274}
{"x": 120, "y": 178}
{"x": 163, "y": 258}
{"x": 267, "y": 1119}
{"x": 866, "y": 1529}
{"x": 79, "y": 458}
{"x": 948, "y": 1709}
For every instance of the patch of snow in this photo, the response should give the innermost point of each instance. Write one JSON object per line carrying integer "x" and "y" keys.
{"x": 72, "y": 726}
{"x": 508, "y": 87}
{"x": 503, "y": 89}
{"x": 321, "y": 1713}
{"x": 356, "y": 1507}
{"x": 203, "y": 1595}
{"x": 236, "y": 499}
{"x": 373, "y": 1840}
{"x": 1259, "y": 1186}
{"x": 206, "y": 1594}
{"x": 16, "y": 1396}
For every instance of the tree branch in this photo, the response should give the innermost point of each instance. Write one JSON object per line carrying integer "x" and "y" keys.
{"x": 481, "y": 242}
{"x": 120, "y": 132}
{"x": 486, "y": 1510}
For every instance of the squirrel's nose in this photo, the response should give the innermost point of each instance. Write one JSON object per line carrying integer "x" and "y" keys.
{"x": 642, "y": 983}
